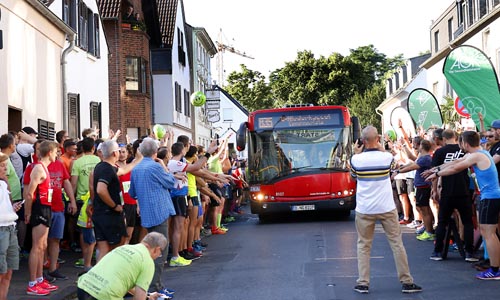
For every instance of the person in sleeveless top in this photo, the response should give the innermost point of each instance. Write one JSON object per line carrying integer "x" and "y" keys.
{"x": 486, "y": 178}
{"x": 37, "y": 212}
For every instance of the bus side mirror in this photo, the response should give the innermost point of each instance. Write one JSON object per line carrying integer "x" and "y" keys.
{"x": 356, "y": 128}
{"x": 241, "y": 137}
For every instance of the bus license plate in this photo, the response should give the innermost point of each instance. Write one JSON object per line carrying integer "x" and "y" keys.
{"x": 303, "y": 207}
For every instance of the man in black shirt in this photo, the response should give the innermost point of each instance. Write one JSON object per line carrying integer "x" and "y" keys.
{"x": 454, "y": 194}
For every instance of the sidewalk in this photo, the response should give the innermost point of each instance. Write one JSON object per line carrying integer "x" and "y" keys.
{"x": 67, "y": 288}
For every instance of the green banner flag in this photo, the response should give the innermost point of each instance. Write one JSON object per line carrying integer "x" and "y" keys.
{"x": 471, "y": 74}
{"x": 424, "y": 109}
{"x": 398, "y": 116}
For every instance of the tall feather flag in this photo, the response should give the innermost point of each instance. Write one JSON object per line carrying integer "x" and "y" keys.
{"x": 471, "y": 74}
{"x": 399, "y": 113}
{"x": 424, "y": 109}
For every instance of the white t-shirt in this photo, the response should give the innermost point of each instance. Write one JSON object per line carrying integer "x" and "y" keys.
{"x": 176, "y": 166}
{"x": 374, "y": 191}
{"x": 7, "y": 214}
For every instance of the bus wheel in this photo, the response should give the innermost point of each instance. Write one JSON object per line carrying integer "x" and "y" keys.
{"x": 345, "y": 213}
{"x": 263, "y": 218}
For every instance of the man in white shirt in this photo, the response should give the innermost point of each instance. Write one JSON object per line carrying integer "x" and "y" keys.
{"x": 371, "y": 165}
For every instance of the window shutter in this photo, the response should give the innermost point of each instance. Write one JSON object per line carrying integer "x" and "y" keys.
{"x": 74, "y": 115}
{"x": 46, "y": 130}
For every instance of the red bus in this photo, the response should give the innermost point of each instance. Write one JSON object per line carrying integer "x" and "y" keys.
{"x": 299, "y": 159}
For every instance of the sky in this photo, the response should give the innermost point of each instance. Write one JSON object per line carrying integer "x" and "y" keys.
{"x": 273, "y": 31}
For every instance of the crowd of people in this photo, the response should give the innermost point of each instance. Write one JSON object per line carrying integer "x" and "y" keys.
{"x": 151, "y": 200}
{"x": 437, "y": 179}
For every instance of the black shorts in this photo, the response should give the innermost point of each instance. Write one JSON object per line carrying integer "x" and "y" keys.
{"x": 401, "y": 186}
{"x": 109, "y": 227}
{"x": 423, "y": 195}
{"x": 195, "y": 200}
{"x": 237, "y": 192}
{"x": 40, "y": 214}
{"x": 130, "y": 214}
{"x": 488, "y": 210}
{"x": 216, "y": 190}
{"x": 180, "y": 205}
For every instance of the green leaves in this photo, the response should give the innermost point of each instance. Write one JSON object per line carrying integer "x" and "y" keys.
{"x": 353, "y": 80}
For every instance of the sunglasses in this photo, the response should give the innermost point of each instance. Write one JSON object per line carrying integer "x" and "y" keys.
{"x": 489, "y": 136}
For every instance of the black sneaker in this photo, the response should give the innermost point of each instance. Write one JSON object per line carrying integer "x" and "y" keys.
{"x": 411, "y": 288}
{"x": 363, "y": 289}
{"x": 48, "y": 277}
{"x": 436, "y": 256}
{"x": 188, "y": 255}
{"x": 469, "y": 257}
{"x": 57, "y": 275}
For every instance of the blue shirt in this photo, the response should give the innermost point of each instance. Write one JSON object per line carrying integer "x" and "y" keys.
{"x": 425, "y": 163}
{"x": 487, "y": 179}
{"x": 150, "y": 184}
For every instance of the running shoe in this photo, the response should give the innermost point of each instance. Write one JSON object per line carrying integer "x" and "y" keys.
{"x": 469, "y": 257}
{"x": 167, "y": 292}
{"x": 46, "y": 264}
{"x": 420, "y": 230}
{"x": 195, "y": 253}
{"x": 222, "y": 227}
{"x": 436, "y": 256}
{"x": 426, "y": 236}
{"x": 58, "y": 275}
{"x": 414, "y": 224}
{"x": 79, "y": 263}
{"x": 488, "y": 275}
{"x": 218, "y": 231}
{"x": 404, "y": 221}
{"x": 363, "y": 289}
{"x": 410, "y": 288}
{"x": 36, "y": 290}
{"x": 188, "y": 255}
{"x": 47, "y": 286}
{"x": 179, "y": 261}
{"x": 199, "y": 242}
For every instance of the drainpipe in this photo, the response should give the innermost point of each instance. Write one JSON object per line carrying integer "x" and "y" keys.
{"x": 63, "y": 81}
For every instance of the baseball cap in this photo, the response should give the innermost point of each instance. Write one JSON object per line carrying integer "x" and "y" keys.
{"x": 495, "y": 124}
{"x": 30, "y": 130}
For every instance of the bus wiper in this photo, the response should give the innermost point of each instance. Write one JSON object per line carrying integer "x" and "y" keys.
{"x": 334, "y": 169}
{"x": 298, "y": 169}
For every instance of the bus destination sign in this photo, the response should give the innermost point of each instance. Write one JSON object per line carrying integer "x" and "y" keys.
{"x": 301, "y": 120}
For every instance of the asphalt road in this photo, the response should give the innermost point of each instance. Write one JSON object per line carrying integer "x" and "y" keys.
{"x": 314, "y": 257}
{"x": 303, "y": 257}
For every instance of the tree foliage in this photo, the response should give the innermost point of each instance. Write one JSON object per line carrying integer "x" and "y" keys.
{"x": 448, "y": 111}
{"x": 250, "y": 89}
{"x": 332, "y": 80}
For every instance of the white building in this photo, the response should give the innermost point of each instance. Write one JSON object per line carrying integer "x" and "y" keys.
{"x": 84, "y": 69}
{"x": 171, "y": 71}
{"x": 201, "y": 50}
{"x": 31, "y": 82}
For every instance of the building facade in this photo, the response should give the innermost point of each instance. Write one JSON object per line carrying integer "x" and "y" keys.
{"x": 34, "y": 40}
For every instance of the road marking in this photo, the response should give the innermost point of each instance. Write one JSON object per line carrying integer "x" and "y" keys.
{"x": 346, "y": 258}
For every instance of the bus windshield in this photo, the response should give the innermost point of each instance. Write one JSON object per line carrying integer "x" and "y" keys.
{"x": 278, "y": 153}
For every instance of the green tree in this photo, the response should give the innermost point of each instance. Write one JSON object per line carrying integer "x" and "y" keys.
{"x": 331, "y": 80}
{"x": 448, "y": 111}
{"x": 363, "y": 105}
{"x": 250, "y": 89}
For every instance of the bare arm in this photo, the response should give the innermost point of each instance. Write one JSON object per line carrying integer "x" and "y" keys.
{"x": 69, "y": 192}
{"x": 37, "y": 176}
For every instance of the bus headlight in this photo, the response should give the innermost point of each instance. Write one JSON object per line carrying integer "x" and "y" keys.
{"x": 346, "y": 192}
{"x": 260, "y": 197}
